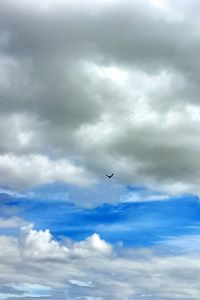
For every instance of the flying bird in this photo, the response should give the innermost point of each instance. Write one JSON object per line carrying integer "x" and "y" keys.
{"x": 110, "y": 176}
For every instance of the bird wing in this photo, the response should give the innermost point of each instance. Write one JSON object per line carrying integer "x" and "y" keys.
{"x": 109, "y": 176}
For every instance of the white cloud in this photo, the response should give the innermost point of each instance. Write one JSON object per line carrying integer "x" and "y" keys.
{"x": 39, "y": 245}
{"x": 93, "y": 244}
{"x": 81, "y": 283}
{"x": 32, "y": 170}
{"x": 32, "y": 290}
{"x": 11, "y": 222}
{"x": 185, "y": 243}
{"x": 103, "y": 273}
{"x": 143, "y": 196}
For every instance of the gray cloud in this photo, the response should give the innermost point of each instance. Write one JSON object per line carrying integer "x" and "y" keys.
{"x": 103, "y": 85}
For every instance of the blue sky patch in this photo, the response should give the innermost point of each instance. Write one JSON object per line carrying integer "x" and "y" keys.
{"x": 135, "y": 224}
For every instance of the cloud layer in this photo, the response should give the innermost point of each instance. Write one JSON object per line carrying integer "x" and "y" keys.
{"x": 89, "y": 88}
{"x": 92, "y": 269}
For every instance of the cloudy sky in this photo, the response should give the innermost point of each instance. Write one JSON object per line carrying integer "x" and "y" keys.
{"x": 88, "y": 88}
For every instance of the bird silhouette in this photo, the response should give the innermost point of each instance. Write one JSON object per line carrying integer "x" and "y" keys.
{"x": 110, "y": 176}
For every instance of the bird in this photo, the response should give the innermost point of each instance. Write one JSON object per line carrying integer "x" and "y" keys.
{"x": 110, "y": 176}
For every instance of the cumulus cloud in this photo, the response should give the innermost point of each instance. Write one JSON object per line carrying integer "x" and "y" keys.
{"x": 57, "y": 270}
{"x": 32, "y": 170}
{"x": 40, "y": 245}
{"x": 108, "y": 85}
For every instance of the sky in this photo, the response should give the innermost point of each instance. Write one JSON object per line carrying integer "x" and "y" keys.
{"x": 89, "y": 88}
